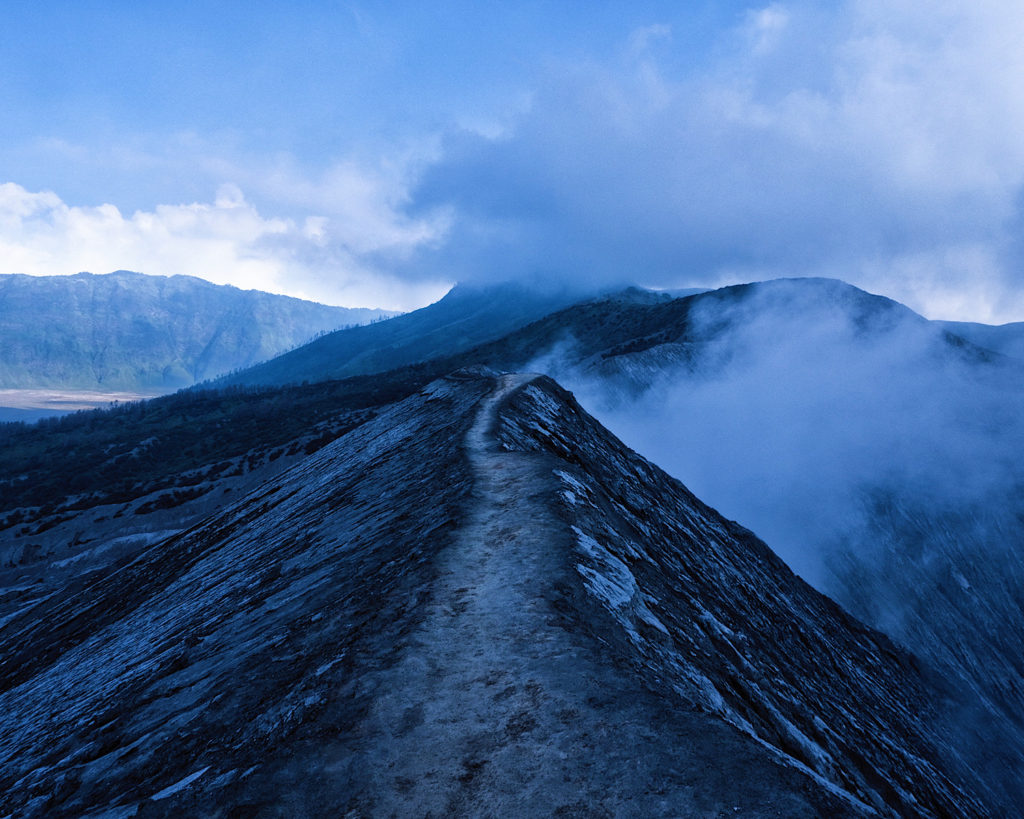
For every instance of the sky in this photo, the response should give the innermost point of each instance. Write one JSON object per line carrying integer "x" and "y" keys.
{"x": 372, "y": 154}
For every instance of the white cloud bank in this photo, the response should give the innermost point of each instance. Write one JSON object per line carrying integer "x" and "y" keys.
{"x": 330, "y": 258}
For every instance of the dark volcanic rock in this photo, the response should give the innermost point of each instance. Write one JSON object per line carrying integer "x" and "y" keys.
{"x": 416, "y": 621}
{"x": 696, "y": 603}
{"x": 240, "y": 643}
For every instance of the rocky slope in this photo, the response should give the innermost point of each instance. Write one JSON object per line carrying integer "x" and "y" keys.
{"x": 476, "y": 603}
{"x": 876, "y": 451}
{"x": 128, "y": 331}
{"x": 465, "y": 318}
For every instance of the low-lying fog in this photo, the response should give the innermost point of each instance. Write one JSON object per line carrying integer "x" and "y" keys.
{"x": 798, "y": 405}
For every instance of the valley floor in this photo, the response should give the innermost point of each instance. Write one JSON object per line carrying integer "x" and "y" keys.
{"x": 31, "y": 405}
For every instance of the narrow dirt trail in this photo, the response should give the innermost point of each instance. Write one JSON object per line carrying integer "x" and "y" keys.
{"x": 469, "y": 700}
{"x": 498, "y": 709}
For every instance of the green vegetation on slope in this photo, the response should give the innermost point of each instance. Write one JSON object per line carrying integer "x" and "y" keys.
{"x": 120, "y": 453}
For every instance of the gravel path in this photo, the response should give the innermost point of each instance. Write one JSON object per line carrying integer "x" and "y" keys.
{"x": 468, "y": 707}
{"x": 496, "y": 709}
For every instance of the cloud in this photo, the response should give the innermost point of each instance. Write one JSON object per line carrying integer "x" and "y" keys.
{"x": 338, "y": 252}
{"x": 765, "y": 27}
{"x": 640, "y": 39}
{"x": 872, "y": 141}
{"x": 800, "y": 408}
{"x": 875, "y": 142}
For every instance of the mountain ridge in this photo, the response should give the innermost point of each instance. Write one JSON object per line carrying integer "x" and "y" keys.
{"x": 590, "y": 329}
{"x": 955, "y": 599}
{"x": 127, "y": 331}
{"x": 467, "y": 316}
{"x": 291, "y": 645}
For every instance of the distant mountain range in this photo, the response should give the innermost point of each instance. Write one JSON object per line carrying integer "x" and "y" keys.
{"x": 874, "y": 451}
{"x": 132, "y": 332}
{"x": 465, "y": 318}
